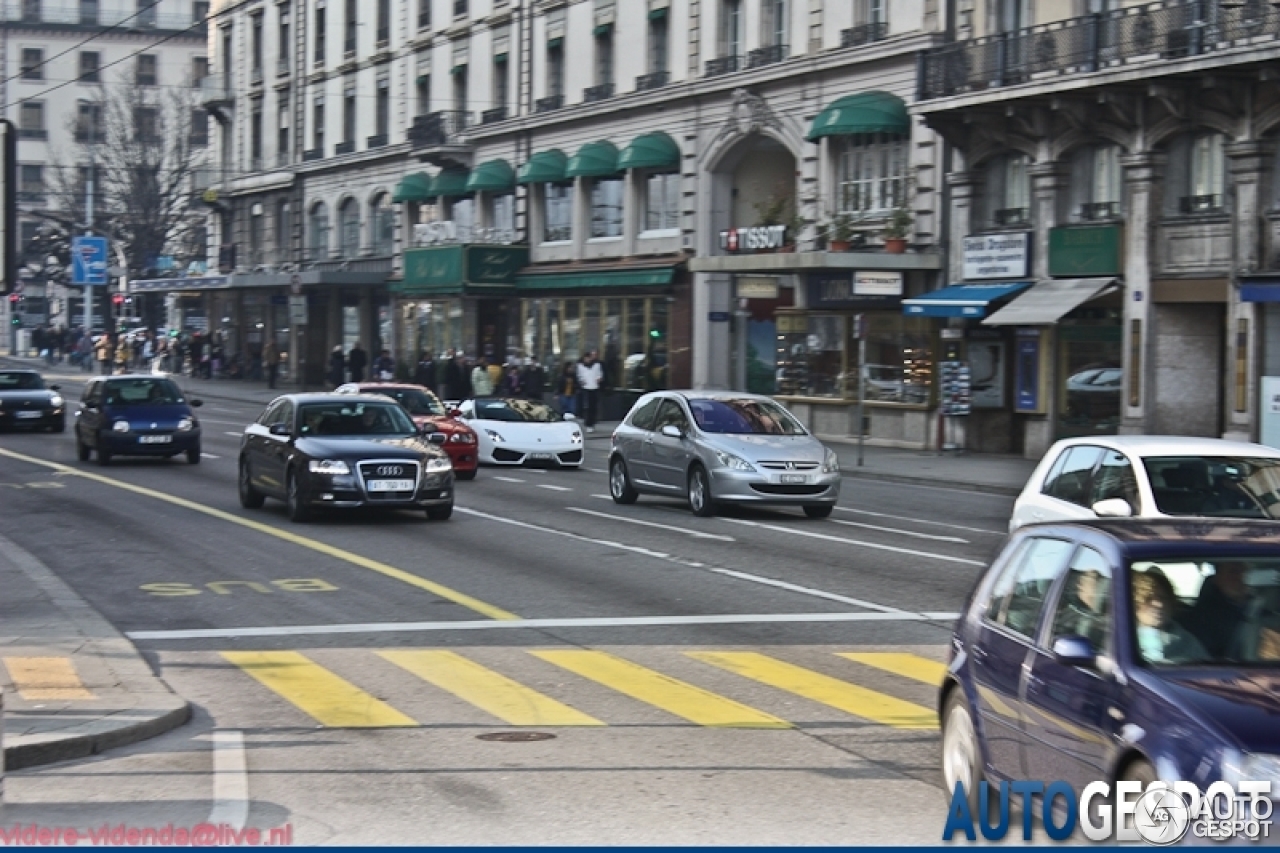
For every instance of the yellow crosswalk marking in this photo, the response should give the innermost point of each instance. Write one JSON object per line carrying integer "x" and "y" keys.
{"x": 671, "y": 695}
{"x": 901, "y": 663}
{"x": 859, "y": 701}
{"x": 46, "y": 679}
{"x": 331, "y": 700}
{"x": 487, "y": 690}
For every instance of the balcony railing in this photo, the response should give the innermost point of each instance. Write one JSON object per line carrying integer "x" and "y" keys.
{"x": 548, "y": 104}
{"x": 86, "y": 136}
{"x": 603, "y": 92}
{"x": 723, "y": 65}
{"x": 1123, "y": 38}
{"x": 1097, "y": 210}
{"x": 283, "y": 66}
{"x": 283, "y": 159}
{"x": 255, "y": 76}
{"x": 1013, "y": 216}
{"x": 376, "y": 141}
{"x": 30, "y": 196}
{"x": 216, "y": 89}
{"x": 656, "y": 80}
{"x": 557, "y": 233}
{"x": 344, "y": 147}
{"x": 204, "y": 177}
{"x": 1200, "y": 204}
{"x": 494, "y": 115}
{"x": 32, "y": 133}
{"x": 312, "y": 154}
{"x": 442, "y": 127}
{"x": 864, "y": 34}
{"x": 106, "y": 15}
{"x": 762, "y": 56}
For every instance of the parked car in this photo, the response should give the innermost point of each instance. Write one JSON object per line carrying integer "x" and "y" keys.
{"x": 136, "y": 415}
{"x": 343, "y": 451}
{"x": 1151, "y": 477}
{"x": 1075, "y": 659}
{"x": 515, "y": 431}
{"x": 26, "y": 402}
{"x": 426, "y": 410}
{"x": 714, "y": 447}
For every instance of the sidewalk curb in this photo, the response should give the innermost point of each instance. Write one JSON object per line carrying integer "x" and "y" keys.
{"x": 159, "y": 709}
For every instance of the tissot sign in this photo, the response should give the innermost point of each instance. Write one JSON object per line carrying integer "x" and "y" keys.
{"x": 996, "y": 256}
{"x": 753, "y": 239}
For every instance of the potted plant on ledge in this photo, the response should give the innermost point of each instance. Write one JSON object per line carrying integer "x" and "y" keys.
{"x": 896, "y": 231}
{"x": 840, "y": 234}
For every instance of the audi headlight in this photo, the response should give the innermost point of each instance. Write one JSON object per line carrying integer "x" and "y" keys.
{"x": 186, "y": 425}
{"x": 1251, "y": 767}
{"x": 439, "y": 465}
{"x": 120, "y": 426}
{"x": 328, "y": 466}
{"x": 576, "y": 438}
{"x": 462, "y": 438}
{"x": 831, "y": 465}
{"x": 56, "y": 401}
{"x": 737, "y": 463}
{"x": 497, "y": 439}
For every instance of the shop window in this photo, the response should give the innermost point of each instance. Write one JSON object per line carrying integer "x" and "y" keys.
{"x": 1096, "y": 186}
{"x": 872, "y": 173}
{"x": 731, "y": 26}
{"x": 662, "y": 202}
{"x": 557, "y": 212}
{"x": 1208, "y": 174}
{"x": 818, "y": 357}
{"x": 1091, "y": 359}
{"x": 606, "y": 208}
{"x": 1008, "y": 191}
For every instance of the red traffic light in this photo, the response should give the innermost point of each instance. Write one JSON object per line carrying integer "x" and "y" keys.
{"x": 117, "y": 299}
{"x": 13, "y": 297}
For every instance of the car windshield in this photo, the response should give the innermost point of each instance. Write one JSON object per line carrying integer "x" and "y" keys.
{"x": 143, "y": 392}
{"x": 20, "y": 381}
{"x": 514, "y": 410}
{"x": 415, "y": 401}
{"x": 1215, "y": 486}
{"x": 1221, "y": 612}
{"x": 744, "y": 417}
{"x": 353, "y": 419}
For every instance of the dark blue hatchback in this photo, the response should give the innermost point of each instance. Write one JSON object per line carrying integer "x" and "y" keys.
{"x": 1120, "y": 650}
{"x": 140, "y": 415}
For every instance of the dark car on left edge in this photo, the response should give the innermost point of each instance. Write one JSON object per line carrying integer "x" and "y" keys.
{"x": 136, "y": 415}
{"x": 344, "y": 451}
{"x": 26, "y": 402}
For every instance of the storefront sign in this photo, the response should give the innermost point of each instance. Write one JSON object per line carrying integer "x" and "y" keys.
{"x": 717, "y": 316}
{"x": 840, "y": 290}
{"x": 495, "y": 264}
{"x": 449, "y": 269}
{"x": 877, "y": 283}
{"x": 1029, "y": 393}
{"x": 437, "y": 270}
{"x": 1076, "y": 252}
{"x": 988, "y": 256}
{"x": 757, "y": 287}
{"x": 753, "y": 239}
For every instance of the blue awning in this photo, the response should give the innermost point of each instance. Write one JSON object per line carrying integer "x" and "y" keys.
{"x": 1260, "y": 290}
{"x": 961, "y": 300}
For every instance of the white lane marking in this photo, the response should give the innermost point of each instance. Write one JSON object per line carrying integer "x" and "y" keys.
{"x": 695, "y": 533}
{"x": 208, "y": 420}
{"x": 942, "y": 617}
{"x": 901, "y": 532}
{"x": 922, "y": 521}
{"x": 526, "y": 624}
{"x": 507, "y": 479}
{"x": 843, "y": 541}
{"x": 597, "y": 471}
{"x": 236, "y": 434}
{"x": 209, "y": 455}
{"x": 230, "y": 780}
{"x": 817, "y": 593}
{"x": 605, "y": 497}
{"x": 635, "y": 549}
{"x": 555, "y": 488}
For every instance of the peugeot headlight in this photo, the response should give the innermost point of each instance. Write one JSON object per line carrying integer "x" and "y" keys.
{"x": 328, "y": 466}
{"x": 497, "y": 439}
{"x": 737, "y": 463}
{"x": 55, "y": 400}
{"x": 438, "y": 465}
{"x": 120, "y": 426}
{"x": 831, "y": 465}
{"x": 1251, "y": 767}
{"x": 576, "y": 438}
{"x": 462, "y": 438}
{"x": 186, "y": 425}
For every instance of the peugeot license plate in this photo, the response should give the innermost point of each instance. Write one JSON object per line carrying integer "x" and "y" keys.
{"x": 27, "y": 414}
{"x": 541, "y": 456}
{"x": 794, "y": 478}
{"x": 155, "y": 439}
{"x": 391, "y": 485}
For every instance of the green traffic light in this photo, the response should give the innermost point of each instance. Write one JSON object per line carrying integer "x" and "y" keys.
{"x": 654, "y": 333}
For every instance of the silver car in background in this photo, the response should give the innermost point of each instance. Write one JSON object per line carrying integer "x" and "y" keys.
{"x": 721, "y": 447}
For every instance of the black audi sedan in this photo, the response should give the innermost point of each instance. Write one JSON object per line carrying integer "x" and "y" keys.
{"x": 345, "y": 451}
{"x": 27, "y": 403}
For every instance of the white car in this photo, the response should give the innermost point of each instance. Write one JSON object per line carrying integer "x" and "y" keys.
{"x": 1151, "y": 476}
{"x": 514, "y": 431}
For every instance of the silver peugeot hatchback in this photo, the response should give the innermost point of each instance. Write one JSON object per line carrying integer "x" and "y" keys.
{"x": 721, "y": 447}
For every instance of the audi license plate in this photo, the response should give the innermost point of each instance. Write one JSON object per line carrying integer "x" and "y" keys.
{"x": 27, "y": 414}
{"x": 794, "y": 478}
{"x": 391, "y": 485}
{"x": 155, "y": 439}
{"x": 541, "y": 456}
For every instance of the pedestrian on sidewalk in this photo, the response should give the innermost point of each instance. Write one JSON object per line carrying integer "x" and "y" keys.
{"x": 481, "y": 384}
{"x": 271, "y": 358}
{"x": 337, "y": 367}
{"x": 590, "y": 377}
{"x": 567, "y": 389}
{"x": 357, "y": 361}
{"x": 104, "y": 353}
{"x": 384, "y": 367}
{"x": 425, "y": 373}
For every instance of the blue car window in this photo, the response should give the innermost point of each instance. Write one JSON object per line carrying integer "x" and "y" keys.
{"x": 1020, "y": 593}
{"x": 1084, "y": 608}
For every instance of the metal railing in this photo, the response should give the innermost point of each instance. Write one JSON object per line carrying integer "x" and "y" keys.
{"x": 32, "y": 133}
{"x": 1096, "y": 210}
{"x": 864, "y": 34}
{"x": 438, "y": 128}
{"x": 283, "y": 66}
{"x": 216, "y": 89}
{"x": 548, "y": 104}
{"x": 283, "y": 158}
{"x": 494, "y": 115}
{"x": 723, "y": 65}
{"x": 762, "y": 56}
{"x": 603, "y": 92}
{"x": 312, "y": 154}
{"x": 1137, "y": 35}
{"x": 656, "y": 80}
{"x": 106, "y": 16}
{"x": 557, "y": 233}
{"x": 1013, "y": 216}
{"x": 345, "y": 147}
{"x": 30, "y": 196}
{"x": 1200, "y": 204}
{"x": 376, "y": 141}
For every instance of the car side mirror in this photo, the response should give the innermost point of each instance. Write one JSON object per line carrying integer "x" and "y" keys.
{"x": 195, "y": 404}
{"x": 55, "y": 387}
{"x": 1113, "y": 508}
{"x": 1075, "y": 651}
{"x": 568, "y": 416}
{"x": 436, "y": 438}
{"x": 280, "y": 429}
{"x": 672, "y": 431}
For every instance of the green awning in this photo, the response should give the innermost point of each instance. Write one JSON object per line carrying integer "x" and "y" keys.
{"x": 556, "y": 42}
{"x": 450, "y": 184}
{"x": 500, "y": 58}
{"x": 460, "y": 68}
{"x": 869, "y": 112}
{"x": 495, "y": 176}
{"x": 593, "y": 160}
{"x": 602, "y": 29}
{"x": 655, "y": 14}
{"x": 545, "y": 167}
{"x": 415, "y": 187}
{"x": 651, "y": 151}
{"x": 611, "y": 278}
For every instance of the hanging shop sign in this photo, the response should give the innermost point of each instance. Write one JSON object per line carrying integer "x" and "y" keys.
{"x": 753, "y": 239}
{"x": 988, "y": 256}
{"x": 850, "y": 290}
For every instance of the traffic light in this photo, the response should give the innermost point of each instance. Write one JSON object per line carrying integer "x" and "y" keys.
{"x": 13, "y": 297}
{"x": 117, "y": 299}
{"x": 17, "y": 321}
{"x": 655, "y": 333}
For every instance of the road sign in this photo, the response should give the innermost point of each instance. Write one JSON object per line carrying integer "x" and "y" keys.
{"x": 89, "y": 260}
{"x": 298, "y": 310}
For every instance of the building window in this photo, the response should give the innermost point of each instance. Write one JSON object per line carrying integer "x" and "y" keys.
{"x": 382, "y": 111}
{"x": 383, "y": 223}
{"x": 502, "y": 217}
{"x": 604, "y": 58}
{"x": 501, "y": 83}
{"x": 460, "y": 88}
{"x": 352, "y": 25}
{"x": 284, "y": 228}
{"x": 31, "y": 11}
{"x": 606, "y": 207}
{"x": 1095, "y": 183}
{"x": 731, "y": 28}
{"x": 662, "y": 202}
{"x": 659, "y": 47}
{"x": 317, "y": 125}
{"x": 424, "y": 14}
{"x": 32, "y": 63}
{"x": 1008, "y": 191}
{"x": 462, "y": 211}
{"x": 89, "y": 13}
{"x": 423, "y": 93}
{"x": 283, "y": 47}
{"x": 31, "y": 120}
{"x": 555, "y": 70}
{"x": 146, "y": 124}
{"x": 90, "y": 63}
{"x": 282, "y": 130}
{"x": 199, "y": 70}
{"x": 146, "y": 14}
{"x": 557, "y": 212}
{"x": 1208, "y": 174}
{"x": 869, "y": 12}
{"x": 199, "y": 135}
{"x": 255, "y": 136}
{"x": 775, "y": 23}
{"x": 199, "y": 11}
{"x": 349, "y": 223}
{"x": 319, "y": 44}
{"x": 318, "y": 232}
{"x": 89, "y": 122}
{"x": 145, "y": 70}
{"x": 255, "y": 46}
{"x": 384, "y": 21}
{"x": 872, "y": 173}
{"x": 31, "y": 183}
{"x": 349, "y": 114}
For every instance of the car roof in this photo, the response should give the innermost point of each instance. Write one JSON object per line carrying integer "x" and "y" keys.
{"x": 1139, "y": 537}
{"x": 690, "y": 394}
{"x": 1174, "y": 445}
{"x": 332, "y": 397}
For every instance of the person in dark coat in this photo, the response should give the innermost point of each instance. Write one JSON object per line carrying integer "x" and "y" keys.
{"x": 1223, "y": 604}
{"x": 425, "y": 373}
{"x": 337, "y": 367}
{"x": 357, "y": 361}
{"x": 456, "y": 379}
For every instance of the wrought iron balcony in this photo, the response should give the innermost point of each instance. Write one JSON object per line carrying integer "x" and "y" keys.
{"x": 1200, "y": 204}
{"x": 548, "y": 104}
{"x": 344, "y": 147}
{"x": 494, "y": 115}
{"x": 656, "y": 80}
{"x": 723, "y": 65}
{"x": 603, "y": 92}
{"x": 215, "y": 91}
{"x": 864, "y": 34}
{"x": 762, "y": 56}
{"x": 1013, "y": 216}
{"x": 312, "y": 154}
{"x": 1135, "y": 36}
{"x": 1099, "y": 210}
{"x": 378, "y": 141}
{"x": 32, "y": 133}
{"x": 442, "y": 127}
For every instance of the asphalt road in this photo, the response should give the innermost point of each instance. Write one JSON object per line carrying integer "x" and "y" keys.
{"x": 755, "y": 678}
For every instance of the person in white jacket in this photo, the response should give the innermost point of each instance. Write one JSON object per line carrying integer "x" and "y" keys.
{"x": 590, "y": 378}
{"x": 481, "y": 384}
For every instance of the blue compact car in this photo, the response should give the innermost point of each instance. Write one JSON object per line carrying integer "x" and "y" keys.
{"x": 1116, "y": 650}
{"x": 139, "y": 415}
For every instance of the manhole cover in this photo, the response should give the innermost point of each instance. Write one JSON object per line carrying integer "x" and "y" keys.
{"x": 516, "y": 737}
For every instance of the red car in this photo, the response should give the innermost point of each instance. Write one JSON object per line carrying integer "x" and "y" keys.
{"x": 425, "y": 408}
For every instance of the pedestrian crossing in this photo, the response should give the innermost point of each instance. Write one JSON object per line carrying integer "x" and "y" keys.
{"x": 582, "y": 687}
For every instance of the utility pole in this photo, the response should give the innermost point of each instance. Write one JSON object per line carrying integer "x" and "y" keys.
{"x": 88, "y": 232}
